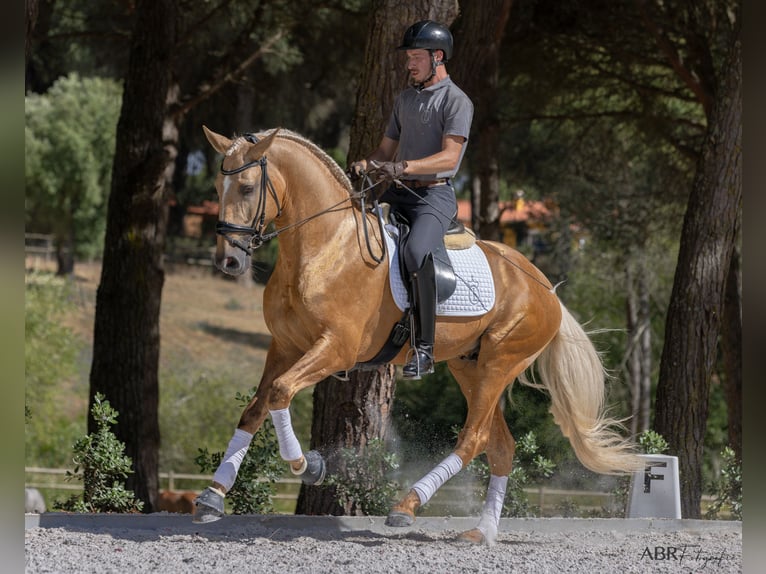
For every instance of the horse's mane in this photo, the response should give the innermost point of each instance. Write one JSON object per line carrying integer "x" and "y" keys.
{"x": 318, "y": 152}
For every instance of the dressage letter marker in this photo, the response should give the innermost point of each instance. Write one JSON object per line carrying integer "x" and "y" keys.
{"x": 655, "y": 491}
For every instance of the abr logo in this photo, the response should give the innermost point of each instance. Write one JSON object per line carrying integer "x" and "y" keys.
{"x": 660, "y": 553}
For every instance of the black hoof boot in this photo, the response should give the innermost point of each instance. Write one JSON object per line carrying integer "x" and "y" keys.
{"x": 315, "y": 469}
{"x": 421, "y": 363}
{"x": 208, "y": 506}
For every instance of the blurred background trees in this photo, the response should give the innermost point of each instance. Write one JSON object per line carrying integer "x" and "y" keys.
{"x": 620, "y": 117}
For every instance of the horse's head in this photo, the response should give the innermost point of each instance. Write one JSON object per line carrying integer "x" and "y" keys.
{"x": 247, "y": 198}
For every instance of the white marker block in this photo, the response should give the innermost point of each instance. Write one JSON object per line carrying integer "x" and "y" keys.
{"x": 655, "y": 491}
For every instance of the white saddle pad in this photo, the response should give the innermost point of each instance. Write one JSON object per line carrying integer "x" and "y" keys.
{"x": 475, "y": 291}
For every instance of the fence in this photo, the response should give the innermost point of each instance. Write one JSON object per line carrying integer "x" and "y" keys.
{"x": 39, "y": 250}
{"x": 549, "y": 500}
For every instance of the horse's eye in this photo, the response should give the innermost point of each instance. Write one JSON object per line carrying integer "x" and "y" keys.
{"x": 246, "y": 189}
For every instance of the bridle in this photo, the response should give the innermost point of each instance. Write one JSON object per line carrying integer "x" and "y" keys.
{"x": 255, "y": 231}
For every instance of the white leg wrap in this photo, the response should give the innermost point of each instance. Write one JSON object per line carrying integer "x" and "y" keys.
{"x": 232, "y": 459}
{"x": 430, "y": 483}
{"x": 289, "y": 447}
{"x": 493, "y": 507}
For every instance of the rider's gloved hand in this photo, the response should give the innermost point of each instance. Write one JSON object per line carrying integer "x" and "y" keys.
{"x": 357, "y": 169}
{"x": 387, "y": 170}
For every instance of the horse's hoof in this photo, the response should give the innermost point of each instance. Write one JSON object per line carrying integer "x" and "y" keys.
{"x": 474, "y": 536}
{"x": 208, "y": 506}
{"x": 315, "y": 469}
{"x": 399, "y": 519}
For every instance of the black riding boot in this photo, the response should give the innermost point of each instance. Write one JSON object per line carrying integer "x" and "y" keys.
{"x": 424, "y": 300}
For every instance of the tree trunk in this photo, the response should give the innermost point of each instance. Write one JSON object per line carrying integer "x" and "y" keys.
{"x": 347, "y": 414}
{"x": 365, "y": 400}
{"x": 697, "y": 300}
{"x": 476, "y": 70}
{"x": 30, "y": 14}
{"x": 126, "y": 333}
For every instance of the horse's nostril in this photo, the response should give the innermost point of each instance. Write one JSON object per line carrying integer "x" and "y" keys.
{"x": 231, "y": 263}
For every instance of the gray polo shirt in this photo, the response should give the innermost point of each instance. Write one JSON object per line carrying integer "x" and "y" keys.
{"x": 420, "y": 119}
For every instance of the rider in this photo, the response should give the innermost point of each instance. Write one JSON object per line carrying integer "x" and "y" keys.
{"x": 419, "y": 153}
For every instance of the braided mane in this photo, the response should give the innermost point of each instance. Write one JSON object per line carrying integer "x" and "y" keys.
{"x": 318, "y": 152}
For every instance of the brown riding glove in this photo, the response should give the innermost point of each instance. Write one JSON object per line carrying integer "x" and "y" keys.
{"x": 387, "y": 170}
{"x": 357, "y": 169}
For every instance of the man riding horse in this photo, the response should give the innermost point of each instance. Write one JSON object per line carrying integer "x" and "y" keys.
{"x": 420, "y": 152}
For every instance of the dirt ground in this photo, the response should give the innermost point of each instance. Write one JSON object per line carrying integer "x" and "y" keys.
{"x": 364, "y": 545}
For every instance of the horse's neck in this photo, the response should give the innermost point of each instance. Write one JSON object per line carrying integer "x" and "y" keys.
{"x": 316, "y": 207}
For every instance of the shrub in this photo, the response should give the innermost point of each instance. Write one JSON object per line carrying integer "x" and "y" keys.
{"x": 100, "y": 464}
{"x": 728, "y": 489}
{"x": 363, "y": 481}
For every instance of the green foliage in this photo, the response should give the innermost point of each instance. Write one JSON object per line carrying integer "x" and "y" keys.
{"x": 50, "y": 358}
{"x": 70, "y": 140}
{"x": 529, "y": 467}
{"x": 727, "y": 490}
{"x": 49, "y": 347}
{"x": 101, "y": 465}
{"x": 652, "y": 442}
{"x": 362, "y": 480}
{"x": 255, "y": 487}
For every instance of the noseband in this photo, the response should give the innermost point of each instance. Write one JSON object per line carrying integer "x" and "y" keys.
{"x": 255, "y": 231}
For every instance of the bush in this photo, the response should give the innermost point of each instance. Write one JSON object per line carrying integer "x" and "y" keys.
{"x": 728, "y": 489}
{"x": 364, "y": 483}
{"x": 100, "y": 464}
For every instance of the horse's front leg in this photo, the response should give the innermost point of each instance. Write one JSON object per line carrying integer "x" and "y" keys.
{"x": 272, "y": 398}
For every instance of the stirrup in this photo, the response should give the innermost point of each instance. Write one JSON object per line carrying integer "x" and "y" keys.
{"x": 422, "y": 363}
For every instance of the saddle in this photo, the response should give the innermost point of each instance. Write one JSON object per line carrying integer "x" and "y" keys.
{"x": 457, "y": 237}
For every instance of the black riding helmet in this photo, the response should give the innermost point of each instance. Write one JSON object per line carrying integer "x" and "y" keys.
{"x": 428, "y": 35}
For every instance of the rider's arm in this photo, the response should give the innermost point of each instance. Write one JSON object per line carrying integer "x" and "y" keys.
{"x": 445, "y": 160}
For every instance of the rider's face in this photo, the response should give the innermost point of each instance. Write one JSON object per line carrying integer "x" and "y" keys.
{"x": 419, "y": 64}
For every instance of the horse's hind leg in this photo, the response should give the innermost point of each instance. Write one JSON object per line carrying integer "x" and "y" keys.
{"x": 482, "y": 389}
{"x": 500, "y": 450}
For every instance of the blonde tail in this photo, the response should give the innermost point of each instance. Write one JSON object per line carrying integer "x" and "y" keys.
{"x": 570, "y": 369}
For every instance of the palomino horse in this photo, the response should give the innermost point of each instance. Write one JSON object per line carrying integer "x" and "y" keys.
{"x": 329, "y": 306}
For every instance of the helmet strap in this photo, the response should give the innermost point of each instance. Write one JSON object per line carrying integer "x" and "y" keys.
{"x": 434, "y": 65}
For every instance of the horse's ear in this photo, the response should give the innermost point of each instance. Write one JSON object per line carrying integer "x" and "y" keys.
{"x": 220, "y": 143}
{"x": 260, "y": 148}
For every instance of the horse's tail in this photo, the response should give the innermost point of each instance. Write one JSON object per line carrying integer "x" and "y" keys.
{"x": 571, "y": 370}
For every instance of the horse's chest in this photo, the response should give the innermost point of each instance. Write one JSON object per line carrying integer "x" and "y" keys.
{"x": 291, "y": 313}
